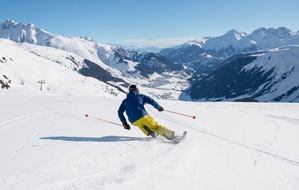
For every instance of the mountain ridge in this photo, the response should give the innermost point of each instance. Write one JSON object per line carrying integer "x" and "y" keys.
{"x": 185, "y": 65}
{"x": 125, "y": 66}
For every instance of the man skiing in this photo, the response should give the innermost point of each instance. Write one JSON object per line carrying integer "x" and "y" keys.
{"x": 138, "y": 116}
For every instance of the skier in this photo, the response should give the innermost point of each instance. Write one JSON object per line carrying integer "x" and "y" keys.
{"x": 138, "y": 116}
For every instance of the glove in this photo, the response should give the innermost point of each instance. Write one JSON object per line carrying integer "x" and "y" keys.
{"x": 161, "y": 109}
{"x": 127, "y": 126}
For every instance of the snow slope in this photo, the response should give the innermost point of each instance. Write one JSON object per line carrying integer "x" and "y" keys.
{"x": 24, "y": 68}
{"x": 47, "y": 143}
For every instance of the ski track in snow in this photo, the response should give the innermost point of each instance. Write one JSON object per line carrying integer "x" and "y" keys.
{"x": 84, "y": 154}
{"x": 118, "y": 176}
{"x": 17, "y": 120}
{"x": 261, "y": 151}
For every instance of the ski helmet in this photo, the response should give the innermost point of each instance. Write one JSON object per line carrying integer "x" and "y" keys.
{"x": 133, "y": 87}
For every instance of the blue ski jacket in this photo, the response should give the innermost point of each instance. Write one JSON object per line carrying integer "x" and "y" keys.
{"x": 134, "y": 106}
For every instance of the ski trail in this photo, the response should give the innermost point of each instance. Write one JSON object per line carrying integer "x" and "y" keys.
{"x": 121, "y": 175}
{"x": 270, "y": 144}
{"x": 17, "y": 120}
{"x": 288, "y": 119}
{"x": 261, "y": 151}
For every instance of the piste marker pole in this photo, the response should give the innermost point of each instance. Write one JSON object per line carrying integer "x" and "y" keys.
{"x": 86, "y": 115}
{"x": 192, "y": 116}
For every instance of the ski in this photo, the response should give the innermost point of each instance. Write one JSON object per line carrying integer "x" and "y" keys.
{"x": 179, "y": 138}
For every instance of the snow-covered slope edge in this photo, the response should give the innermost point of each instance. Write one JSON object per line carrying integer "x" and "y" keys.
{"x": 23, "y": 70}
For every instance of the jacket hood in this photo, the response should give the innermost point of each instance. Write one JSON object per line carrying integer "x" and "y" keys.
{"x": 132, "y": 93}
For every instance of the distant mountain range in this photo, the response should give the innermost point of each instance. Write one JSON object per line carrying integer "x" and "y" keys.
{"x": 199, "y": 53}
{"x": 263, "y": 65}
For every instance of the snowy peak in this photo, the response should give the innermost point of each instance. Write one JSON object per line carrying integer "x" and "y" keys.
{"x": 235, "y": 42}
{"x": 283, "y": 32}
{"x": 280, "y": 32}
{"x": 261, "y": 38}
{"x": 231, "y": 38}
{"x": 20, "y": 32}
{"x": 272, "y": 38}
{"x": 196, "y": 42}
{"x": 7, "y": 24}
{"x": 234, "y": 35}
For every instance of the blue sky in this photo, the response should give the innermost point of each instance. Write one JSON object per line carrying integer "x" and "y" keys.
{"x": 152, "y": 22}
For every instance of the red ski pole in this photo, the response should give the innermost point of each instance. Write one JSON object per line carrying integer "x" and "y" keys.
{"x": 193, "y": 117}
{"x": 86, "y": 115}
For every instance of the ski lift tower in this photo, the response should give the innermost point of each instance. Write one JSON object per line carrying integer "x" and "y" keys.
{"x": 41, "y": 84}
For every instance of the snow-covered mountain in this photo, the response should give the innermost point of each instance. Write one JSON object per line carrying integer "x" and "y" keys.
{"x": 271, "y": 75}
{"x": 220, "y": 63}
{"x": 226, "y": 59}
{"x": 22, "y": 70}
{"x": 201, "y": 54}
{"x": 234, "y": 42}
{"x": 19, "y": 32}
{"x": 114, "y": 56}
{"x": 112, "y": 65}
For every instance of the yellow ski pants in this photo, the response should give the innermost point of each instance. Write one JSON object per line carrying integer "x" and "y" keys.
{"x": 148, "y": 121}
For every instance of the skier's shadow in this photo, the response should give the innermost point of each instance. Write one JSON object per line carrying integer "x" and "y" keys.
{"x": 97, "y": 139}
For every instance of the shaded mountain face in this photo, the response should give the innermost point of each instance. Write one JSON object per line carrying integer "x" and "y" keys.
{"x": 93, "y": 70}
{"x": 152, "y": 62}
{"x": 265, "y": 76}
{"x": 185, "y": 54}
{"x": 144, "y": 63}
{"x": 226, "y": 82}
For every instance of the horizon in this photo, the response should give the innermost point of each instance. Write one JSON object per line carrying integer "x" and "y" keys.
{"x": 155, "y": 24}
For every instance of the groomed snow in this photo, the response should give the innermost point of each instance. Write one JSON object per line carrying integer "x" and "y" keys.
{"x": 47, "y": 143}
